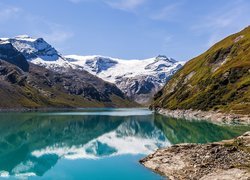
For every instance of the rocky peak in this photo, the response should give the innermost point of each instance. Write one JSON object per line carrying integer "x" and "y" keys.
{"x": 160, "y": 63}
{"x": 10, "y": 54}
{"x": 34, "y": 48}
{"x": 99, "y": 63}
{"x": 164, "y": 58}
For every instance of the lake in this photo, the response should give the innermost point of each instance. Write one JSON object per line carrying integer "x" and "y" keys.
{"x": 94, "y": 144}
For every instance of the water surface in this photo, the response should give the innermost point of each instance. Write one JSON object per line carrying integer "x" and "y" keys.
{"x": 94, "y": 143}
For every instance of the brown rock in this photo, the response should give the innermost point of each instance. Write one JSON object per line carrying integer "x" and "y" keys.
{"x": 223, "y": 160}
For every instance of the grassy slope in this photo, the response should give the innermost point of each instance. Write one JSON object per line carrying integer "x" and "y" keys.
{"x": 218, "y": 79}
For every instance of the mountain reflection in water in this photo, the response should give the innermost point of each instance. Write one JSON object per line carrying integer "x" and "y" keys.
{"x": 32, "y": 143}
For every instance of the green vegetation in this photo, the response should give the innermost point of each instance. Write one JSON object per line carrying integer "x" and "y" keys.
{"x": 218, "y": 79}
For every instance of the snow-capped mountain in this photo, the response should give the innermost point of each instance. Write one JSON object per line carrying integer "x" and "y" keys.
{"x": 50, "y": 74}
{"x": 38, "y": 51}
{"x": 138, "y": 79}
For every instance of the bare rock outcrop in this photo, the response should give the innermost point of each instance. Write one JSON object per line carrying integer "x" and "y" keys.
{"x": 229, "y": 159}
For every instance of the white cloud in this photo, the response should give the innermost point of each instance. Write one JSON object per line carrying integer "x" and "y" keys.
{"x": 227, "y": 20}
{"x": 166, "y": 12}
{"x": 8, "y": 12}
{"x": 75, "y": 1}
{"x": 79, "y": 1}
{"x": 223, "y": 19}
{"x": 57, "y": 36}
{"x": 33, "y": 25}
{"x": 127, "y": 5}
{"x": 52, "y": 32}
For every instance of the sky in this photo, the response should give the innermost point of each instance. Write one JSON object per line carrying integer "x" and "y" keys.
{"x": 128, "y": 29}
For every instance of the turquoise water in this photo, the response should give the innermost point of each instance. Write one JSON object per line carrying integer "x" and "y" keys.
{"x": 94, "y": 144}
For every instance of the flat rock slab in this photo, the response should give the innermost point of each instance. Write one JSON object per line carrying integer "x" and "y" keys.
{"x": 228, "y": 159}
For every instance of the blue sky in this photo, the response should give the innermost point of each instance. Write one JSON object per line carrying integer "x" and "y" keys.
{"x": 127, "y": 29}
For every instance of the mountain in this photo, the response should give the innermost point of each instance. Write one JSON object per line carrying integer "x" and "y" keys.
{"x": 43, "y": 88}
{"x": 26, "y": 85}
{"x": 38, "y": 51}
{"x": 138, "y": 79}
{"x": 218, "y": 79}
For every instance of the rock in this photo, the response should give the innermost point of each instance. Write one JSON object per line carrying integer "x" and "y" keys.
{"x": 222, "y": 160}
{"x": 10, "y": 54}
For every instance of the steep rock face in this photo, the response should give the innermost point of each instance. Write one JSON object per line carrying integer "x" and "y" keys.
{"x": 218, "y": 79}
{"x": 138, "y": 79}
{"x": 12, "y": 55}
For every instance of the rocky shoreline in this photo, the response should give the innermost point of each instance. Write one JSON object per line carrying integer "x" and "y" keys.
{"x": 228, "y": 159}
{"x": 212, "y": 116}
